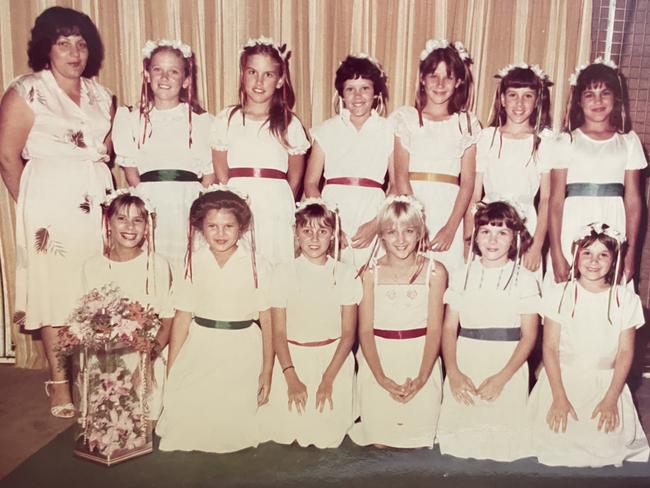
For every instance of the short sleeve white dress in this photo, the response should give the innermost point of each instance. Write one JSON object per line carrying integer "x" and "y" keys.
{"x": 65, "y": 180}
{"x": 149, "y": 287}
{"x": 598, "y": 162}
{"x": 210, "y": 401}
{"x": 312, "y": 296}
{"x": 398, "y": 307}
{"x": 437, "y": 148}
{"x": 250, "y": 144}
{"x": 166, "y": 148}
{"x": 588, "y": 347}
{"x": 511, "y": 171}
{"x": 497, "y": 429}
{"x": 352, "y": 153}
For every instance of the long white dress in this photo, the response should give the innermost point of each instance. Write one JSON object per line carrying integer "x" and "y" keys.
{"x": 210, "y": 401}
{"x": 588, "y": 347}
{"x": 166, "y": 147}
{"x": 65, "y": 180}
{"x": 153, "y": 290}
{"x": 592, "y": 161}
{"x": 497, "y": 429}
{"x": 384, "y": 420}
{"x": 352, "y": 153}
{"x": 313, "y": 296}
{"x": 251, "y": 145}
{"x": 437, "y": 147}
{"x": 510, "y": 170}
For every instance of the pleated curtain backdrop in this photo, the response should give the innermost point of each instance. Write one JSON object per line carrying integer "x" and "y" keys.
{"x": 552, "y": 33}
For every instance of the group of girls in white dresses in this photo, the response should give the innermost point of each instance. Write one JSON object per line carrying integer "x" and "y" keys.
{"x": 261, "y": 342}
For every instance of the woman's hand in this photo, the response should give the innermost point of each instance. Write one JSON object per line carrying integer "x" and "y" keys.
{"x": 561, "y": 269}
{"x": 558, "y": 414}
{"x": 533, "y": 258}
{"x": 461, "y": 387}
{"x": 364, "y": 235}
{"x": 413, "y": 387}
{"x": 491, "y": 387}
{"x": 324, "y": 394}
{"x": 263, "y": 388}
{"x": 443, "y": 239}
{"x": 396, "y": 391}
{"x": 608, "y": 411}
{"x": 296, "y": 391}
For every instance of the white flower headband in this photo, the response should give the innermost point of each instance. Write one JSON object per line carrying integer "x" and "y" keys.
{"x": 600, "y": 228}
{"x": 150, "y": 46}
{"x": 408, "y": 199}
{"x": 535, "y": 68}
{"x": 433, "y": 44}
{"x": 265, "y": 41}
{"x": 314, "y": 201}
{"x": 133, "y": 191}
{"x": 369, "y": 58}
{"x": 573, "y": 79}
{"x": 221, "y": 187}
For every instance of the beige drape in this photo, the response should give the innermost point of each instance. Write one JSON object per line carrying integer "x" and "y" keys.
{"x": 552, "y": 33}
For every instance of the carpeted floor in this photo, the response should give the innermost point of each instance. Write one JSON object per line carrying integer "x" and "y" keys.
{"x": 272, "y": 465}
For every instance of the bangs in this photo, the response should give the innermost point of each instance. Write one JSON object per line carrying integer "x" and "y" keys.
{"x": 317, "y": 216}
{"x": 68, "y": 30}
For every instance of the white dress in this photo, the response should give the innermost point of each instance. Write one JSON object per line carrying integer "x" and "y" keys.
{"x": 384, "y": 420}
{"x": 131, "y": 278}
{"x": 166, "y": 148}
{"x": 588, "y": 346}
{"x": 511, "y": 172}
{"x": 210, "y": 401}
{"x": 251, "y": 145}
{"x": 592, "y": 161}
{"x": 497, "y": 429}
{"x": 58, "y": 214}
{"x": 352, "y": 153}
{"x": 437, "y": 147}
{"x": 313, "y": 299}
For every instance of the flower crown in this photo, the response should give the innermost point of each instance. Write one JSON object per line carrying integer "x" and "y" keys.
{"x": 369, "y": 58}
{"x": 133, "y": 191}
{"x": 573, "y": 79}
{"x": 433, "y": 44}
{"x": 266, "y": 41}
{"x": 314, "y": 201}
{"x": 408, "y": 199}
{"x": 539, "y": 72}
{"x": 150, "y": 46}
{"x": 226, "y": 188}
{"x": 599, "y": 228}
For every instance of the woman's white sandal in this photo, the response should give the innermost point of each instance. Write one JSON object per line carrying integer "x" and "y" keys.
{"x": 65, "y": 411}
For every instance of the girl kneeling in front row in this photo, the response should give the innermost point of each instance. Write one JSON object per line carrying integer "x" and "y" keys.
{"x": 399, "y": 379}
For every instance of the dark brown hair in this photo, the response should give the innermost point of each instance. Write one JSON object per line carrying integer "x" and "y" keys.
{"x": 353, "y": 68}
{"x": 609, "y": 242}
{"x": 502, "y": 214}
{"x": 220, "y": 200}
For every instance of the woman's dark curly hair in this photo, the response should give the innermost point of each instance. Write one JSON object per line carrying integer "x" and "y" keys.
{"x": 353, "y": 68}
{"x": 220, "y": 200}
{"x": 61, "y": 21}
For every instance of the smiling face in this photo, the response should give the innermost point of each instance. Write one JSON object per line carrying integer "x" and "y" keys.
{"x": 594, "y": 263}
{"x": 494, "y": 241}
{"x": 261, "y": 78}
{"x": 439, "y": 86}
{"x": 314, "y": 241}
{"x": 221, "y": 230}
{"x": 358, "y": 97}
{"x": 128, "y": 227}
{"x": 68, "y": 57}
{"x": 519, "y": 104}
{"x": 597, "y": 102}
{"x": 166, "y": 76}
{"x": 401, "y": 239}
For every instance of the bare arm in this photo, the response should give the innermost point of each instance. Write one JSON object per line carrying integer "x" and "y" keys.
{"x": 533, "y": 257}
{"x": 220, "y": 164}
{"x": 264, "y": 384}
{"x": 315, "y": 168}
{"x": 16, "y": 121}
{"x": 295, "y": 173}
{"x": 207, "y": 180}
{"x": 460, "y": 384}
{"x": 296, "y": 389}
{"x": 367, "y": 337}
{"x": 401, "y": 159}
{"x": 632, "y": 202}
{"x": 555, "y": 210}
{"x": 392, "y": 187}
{"x": 108, "y": 140}
{"x": 561, "y": 407}
{"x": 179, "y": 330}
{"x": 132, "y": 175}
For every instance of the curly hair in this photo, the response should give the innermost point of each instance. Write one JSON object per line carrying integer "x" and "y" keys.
{"x": 502, "y": 214}
{"x": 60, "y": 21}
{"x": 220, "y": 200}
{"x": 353, "y": 68}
